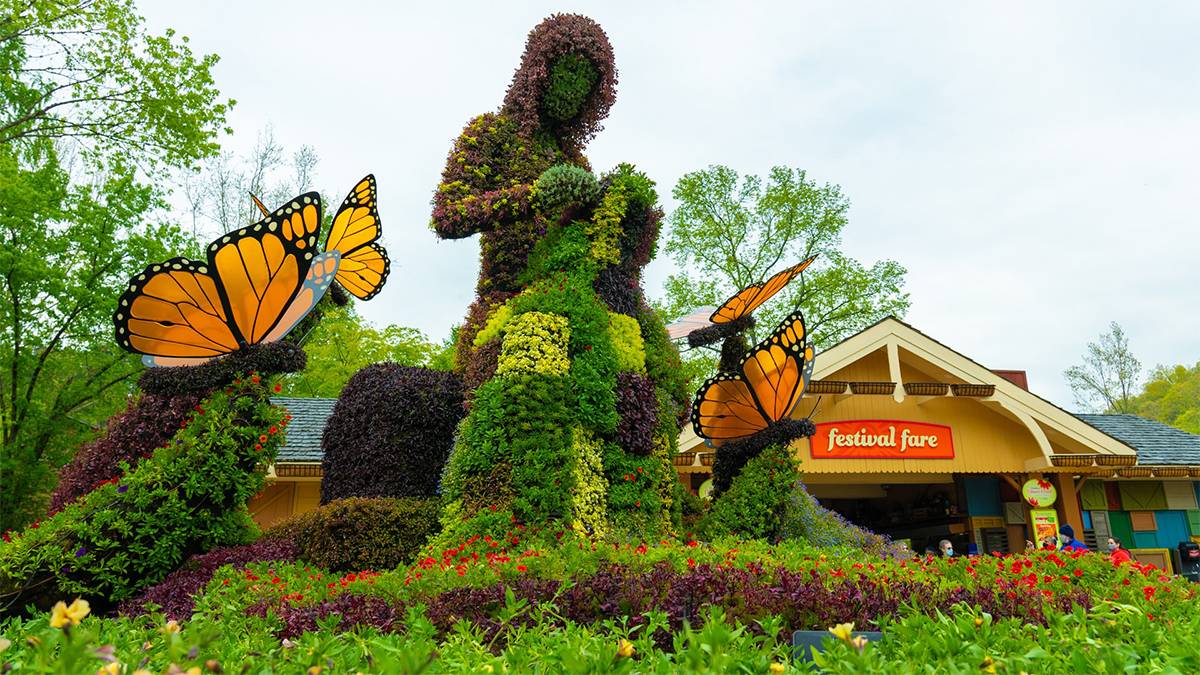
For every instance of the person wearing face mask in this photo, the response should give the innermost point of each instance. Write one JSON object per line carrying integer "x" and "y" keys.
{"x": 1069, "y": 542}
{"x": 1117, "y": 553}
{"x": 946, "y": 548}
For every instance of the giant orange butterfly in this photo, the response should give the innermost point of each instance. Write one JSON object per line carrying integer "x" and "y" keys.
{"x": 354, "y": 235}
{"x": 753, "y": 296}
{"x": 765, "y": 389}
{"x": 253, "y": 287}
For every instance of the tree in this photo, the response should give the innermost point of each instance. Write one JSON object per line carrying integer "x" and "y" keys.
{"x": 219, "y": 192}
{"x": 87, "y": 71}
{"x": 729, "y": 232}
{"x": 89, "y": 103}
{"x": 67, "y": 250}
{"x": 342, "y": 343}
{"x": 1108, "y": 377}
{"x": 1172, "y": 396}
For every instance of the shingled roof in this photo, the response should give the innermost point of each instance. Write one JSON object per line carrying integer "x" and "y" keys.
{"x": 309, "y": 416}
{"x": 1156, "y": 443}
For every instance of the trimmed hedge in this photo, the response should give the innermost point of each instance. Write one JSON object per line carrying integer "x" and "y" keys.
{"x": 390, "y": 433}
{"x": 361, "y": 533}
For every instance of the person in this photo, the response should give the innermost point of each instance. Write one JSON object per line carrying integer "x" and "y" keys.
{"x": 1117, "y": 553}
{"x": 1069, "y": 542}
{"x": 946, "y": 548}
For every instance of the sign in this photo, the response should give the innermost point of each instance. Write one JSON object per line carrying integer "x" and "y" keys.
{"x": 882, "y": 439}
{"x": 1039, "y": 492}
{"x": 1045, "y": 524}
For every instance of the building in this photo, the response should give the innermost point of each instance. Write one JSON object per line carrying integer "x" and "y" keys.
{"x": 918, "y": 441}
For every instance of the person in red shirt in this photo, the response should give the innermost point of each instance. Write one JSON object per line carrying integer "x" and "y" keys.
{"x": 1116, "y": 552}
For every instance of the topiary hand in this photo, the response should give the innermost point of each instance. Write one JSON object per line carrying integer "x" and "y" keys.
{"x": 565, "y": 185}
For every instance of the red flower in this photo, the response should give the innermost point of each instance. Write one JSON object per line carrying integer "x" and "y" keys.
{"x": 278, "y": 388}
{"x": 255, "y": 379}
{"x": 273, "y": 429}
{"x": 262, "y": 438}
{"x": 1078, "y": 572}
{"x": 258, "y": 446}
{"x": 691, "y": 562}
{"x": 521, "y": 568}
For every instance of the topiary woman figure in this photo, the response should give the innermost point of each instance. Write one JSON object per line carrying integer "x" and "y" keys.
{"x": 573, "y": 387}
{"x": 576, "y": 389}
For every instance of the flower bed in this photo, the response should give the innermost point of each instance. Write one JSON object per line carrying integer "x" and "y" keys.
{"x": 681, "y": 605}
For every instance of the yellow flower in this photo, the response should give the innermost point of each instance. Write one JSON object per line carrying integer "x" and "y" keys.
{"x": 978, "y": 622}
{"x": 777, "y": 668}
{"x": 315, "y": 670}
{"x": 624, "y": 648}
{"x": 113, "y": 668}
{"x": 62, "y": 615}
{"x": 5, "y": 643}
{"x": 858, "y": 642}
{"x": 842, "y": 631}
{"x": 172, "y": 627}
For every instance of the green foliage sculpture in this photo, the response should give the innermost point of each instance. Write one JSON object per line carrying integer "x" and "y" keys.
{"x": 576, "y": 394}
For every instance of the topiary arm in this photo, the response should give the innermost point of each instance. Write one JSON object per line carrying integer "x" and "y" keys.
{"x": 470, "y": 198}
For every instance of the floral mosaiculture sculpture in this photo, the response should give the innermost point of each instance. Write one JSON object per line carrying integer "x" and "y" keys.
{"x": 574, "y": 390}
{"x": 576, "y": 394}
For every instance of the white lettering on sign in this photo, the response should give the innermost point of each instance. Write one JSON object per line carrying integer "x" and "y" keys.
{"x": 864, "y": 439}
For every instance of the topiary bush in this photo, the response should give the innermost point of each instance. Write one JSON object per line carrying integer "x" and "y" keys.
{"x": 754, "y": 506}
{"x": 358, "y": 533}
{"x": 189, "y": 496}
{"x": 147, "y": 423}
{"x": 390, "y": 433}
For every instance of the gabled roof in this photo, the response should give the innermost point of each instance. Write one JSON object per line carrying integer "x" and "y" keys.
{"x": 309, "y": 416}
{"x": 1032, "y": 410}
{"x": 1156, "y": 443}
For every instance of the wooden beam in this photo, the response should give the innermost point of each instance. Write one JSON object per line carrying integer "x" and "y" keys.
{"x": 893, "y": 354}
{"x": 1009, "y": 479}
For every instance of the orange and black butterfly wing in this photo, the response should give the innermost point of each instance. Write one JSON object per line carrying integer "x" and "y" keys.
{"x": 364, "y": 271}
{"x": 173, "y": 313}
{"x": 752, "y": 297}
{"x": 778, "y": 368}
{"x": 319, "y": 279}
{"x": 354, "y": 234}
{"x": 261, "y": 268}
{"x": 725, "y": 410}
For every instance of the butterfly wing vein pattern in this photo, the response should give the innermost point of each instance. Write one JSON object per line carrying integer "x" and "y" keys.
{"x": 768, "y": 385}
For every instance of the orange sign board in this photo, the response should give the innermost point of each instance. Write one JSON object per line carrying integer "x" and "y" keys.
{"x": 882, "y": 439}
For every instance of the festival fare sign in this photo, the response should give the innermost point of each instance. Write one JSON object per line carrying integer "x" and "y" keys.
{"x": 882, "y": 439}
{"x": 1045, "y": 524}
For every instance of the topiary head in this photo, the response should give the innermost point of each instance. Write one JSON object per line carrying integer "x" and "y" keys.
{"x": 572, "y": 78}
{"x": 566, "y": 82}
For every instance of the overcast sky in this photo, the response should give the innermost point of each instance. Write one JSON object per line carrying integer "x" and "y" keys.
{"x": 1034, "y": 167}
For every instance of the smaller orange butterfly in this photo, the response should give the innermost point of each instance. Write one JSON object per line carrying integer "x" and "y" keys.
{"x": 753, "y": 296}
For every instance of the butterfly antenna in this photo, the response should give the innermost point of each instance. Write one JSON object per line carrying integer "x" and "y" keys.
{"x": 814, "y": 408}
{"x": 260, "y": 206}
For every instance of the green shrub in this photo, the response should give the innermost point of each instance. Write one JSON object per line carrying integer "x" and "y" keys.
{"x": 564, "y": 185}
{"x": 188, "y": 497}
{"x": 360, "y": 533}
{"x": 755, "y": 504}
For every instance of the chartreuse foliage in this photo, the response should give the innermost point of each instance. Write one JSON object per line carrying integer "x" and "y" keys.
{"x": 556, "y": 435}
{"x": 189, "y": 496}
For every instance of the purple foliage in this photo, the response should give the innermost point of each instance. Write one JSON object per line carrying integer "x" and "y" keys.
{"x": 148, "y": 423}
{"x": 557, "y": 36}
{"x": 637, "y": 408}
{"x": 265, "y": 359}
{"x": 175, "y": 594}
{"x": 390, "y": 433}
{"x": 354, "y": 610}
{"x": 802, "y": 599}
